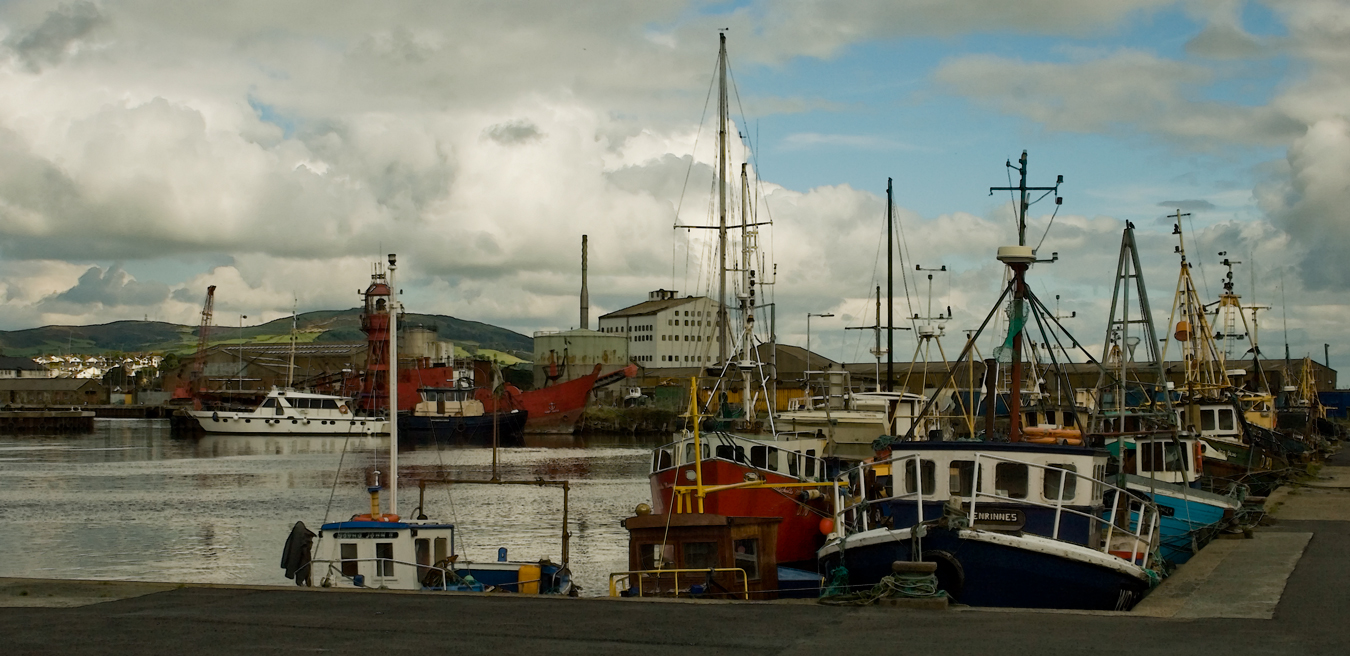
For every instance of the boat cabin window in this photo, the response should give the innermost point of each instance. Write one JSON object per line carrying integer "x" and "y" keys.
{"x": 330, "y": 404}
{"x": 699, "y": 555}
{"x": 794, "y": 460}
{"x": 1226, "y": 419}
{"x": 810, "y": 463}
{"x": 763, "y": 457}
{"x": 747, "y": 557}
{"x": 927, "y": 474}
{"x": 1010, "y": 480}
{"x": 439, "y": 550}
{"x": 269, "y": 402}
{"x": 689, "y": 452}
{"x": 1052, "y": 483}
{"x": 663, "y": 460}
{"x": 731, "y": 452}
{"x": 299, "y": 404}
{"x": 962, "y": 480}
{"x": 348, "y": 554}
{"x": 656, "y": 556}
{"x": 384, "y": 551}
{"x": 1162, "y": 456}
{"x": 1206, "y": 420}
{"x": 423, "y": 548}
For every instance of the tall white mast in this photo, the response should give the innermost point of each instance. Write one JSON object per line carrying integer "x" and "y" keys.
{"x": 393, "y": 387}
{"x": 722, "y": 111}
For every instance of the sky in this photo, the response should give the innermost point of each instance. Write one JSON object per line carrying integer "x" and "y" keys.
{"x": 149, "y": 149}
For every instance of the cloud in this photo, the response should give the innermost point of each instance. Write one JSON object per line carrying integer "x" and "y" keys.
{"x": 1225, "y": 41}
{"x": 1310, "y": 203}
{"x": 1129, "y": 90}
{"x": 513, "y": 132}
{"x": 1188, "y": 205}
{"x": 275, "y": 153}
{"x": 113, "y": 287}
{"x": 804, "y": 140}
{"x": 57, "y": 37}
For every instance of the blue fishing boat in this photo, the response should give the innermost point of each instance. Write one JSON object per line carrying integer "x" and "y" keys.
{"x": 1167, "y": 470}
{"x": 1010, "y": 524}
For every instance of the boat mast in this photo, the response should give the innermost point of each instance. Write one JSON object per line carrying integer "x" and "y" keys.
{"x": 722, "y": 112}
{"x": 1019, "y": 258}
{"x": 890, "y": 290}
{"x": 393, "y": 387}
{"x": 290, "y": 368}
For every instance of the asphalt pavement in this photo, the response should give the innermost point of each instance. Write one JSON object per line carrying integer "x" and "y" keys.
{"x": 1291, "y": 598}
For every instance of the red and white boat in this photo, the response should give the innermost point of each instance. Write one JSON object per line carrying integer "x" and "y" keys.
{"x": 742, "y": 477}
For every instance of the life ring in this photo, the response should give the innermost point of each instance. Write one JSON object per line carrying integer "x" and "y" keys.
{"x": 367, "y": 517}
{"x": 1068, "y": 441}
{"x": 342, "y": 409}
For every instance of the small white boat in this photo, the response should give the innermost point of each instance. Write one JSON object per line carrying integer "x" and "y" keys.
{"x": 382, "y": 550}
{"x": 288, "y": 412}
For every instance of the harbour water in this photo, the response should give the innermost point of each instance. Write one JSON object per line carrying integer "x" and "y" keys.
{"x": 130, "y": 502}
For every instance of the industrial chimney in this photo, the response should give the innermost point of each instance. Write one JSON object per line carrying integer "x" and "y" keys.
{"x": 585, "y": 296}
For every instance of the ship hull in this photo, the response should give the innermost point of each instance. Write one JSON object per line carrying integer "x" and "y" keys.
{"x": 978, "y": 568}
{"x": 555, "y": 409}
{"x": 465, "y": 430}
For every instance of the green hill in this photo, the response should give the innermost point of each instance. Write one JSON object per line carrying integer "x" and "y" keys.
{"x": 319, "y": 326}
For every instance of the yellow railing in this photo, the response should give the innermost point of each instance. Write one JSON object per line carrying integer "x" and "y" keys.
{"x": 615, "y": 577}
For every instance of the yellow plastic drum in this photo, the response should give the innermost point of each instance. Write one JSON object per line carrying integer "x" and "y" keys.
{"x": 528, "y": 576}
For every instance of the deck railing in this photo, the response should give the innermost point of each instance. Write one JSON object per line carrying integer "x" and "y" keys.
{"x": 378, "y": 580}
{"x": 1129, "y": 524}
{"x": 707, "y": 572}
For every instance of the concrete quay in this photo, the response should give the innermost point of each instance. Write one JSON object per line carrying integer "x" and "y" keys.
{"x": 1284, "y": 591}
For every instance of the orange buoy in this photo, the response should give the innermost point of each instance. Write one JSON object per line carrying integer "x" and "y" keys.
{"x": 826, "y": 526}
{"x": 1183, "y": 333}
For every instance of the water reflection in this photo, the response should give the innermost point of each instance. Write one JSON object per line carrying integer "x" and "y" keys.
{"x": 128, "y": 501}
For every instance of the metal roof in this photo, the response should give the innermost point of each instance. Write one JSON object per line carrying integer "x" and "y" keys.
{"x": 9, "y": 363}
{"x": 651, "y": 307}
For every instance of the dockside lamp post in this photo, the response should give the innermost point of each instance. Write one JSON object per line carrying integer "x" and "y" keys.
{"x": 241, "y": 351}
{"x": 806, "y": 375}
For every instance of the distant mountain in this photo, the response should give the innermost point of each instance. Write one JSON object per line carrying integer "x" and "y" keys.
{"x": 320, "y": 326}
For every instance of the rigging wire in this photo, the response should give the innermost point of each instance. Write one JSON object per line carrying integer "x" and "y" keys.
{"x": 679, "y": 205}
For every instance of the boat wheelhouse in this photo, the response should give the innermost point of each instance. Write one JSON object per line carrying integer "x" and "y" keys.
{"x": 290, "y": 412}
{"x": 784, "y": 478}
{"x": 1168, "y": 471}
{"x": 700, "y": 555}
{"x": 852, "y": 420}
{"x": 1008, "y": 524}
{"x": 456, "y": 414}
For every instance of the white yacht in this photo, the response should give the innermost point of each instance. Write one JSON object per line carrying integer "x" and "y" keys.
{"x": 288, "y": 412}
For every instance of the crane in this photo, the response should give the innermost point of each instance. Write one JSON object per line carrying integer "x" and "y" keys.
{"x": 192, "y": 389}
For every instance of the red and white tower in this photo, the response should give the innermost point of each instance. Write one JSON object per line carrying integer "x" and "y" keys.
{"x": 375, "y": 324}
